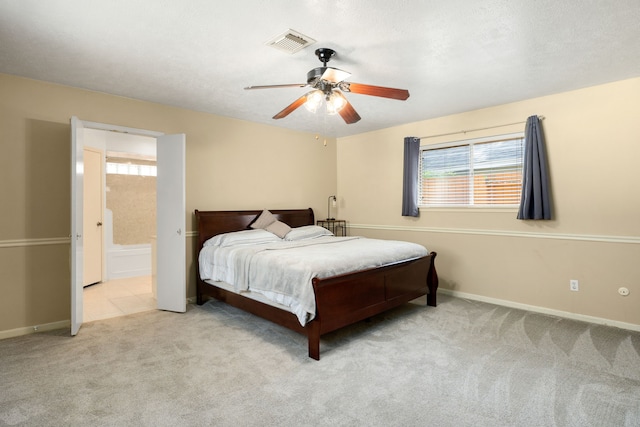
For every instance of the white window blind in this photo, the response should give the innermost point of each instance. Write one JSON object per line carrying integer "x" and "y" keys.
{"x": 483, "y": 172}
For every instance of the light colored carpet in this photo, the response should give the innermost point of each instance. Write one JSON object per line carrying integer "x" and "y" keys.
{"x": 462, "y": 363}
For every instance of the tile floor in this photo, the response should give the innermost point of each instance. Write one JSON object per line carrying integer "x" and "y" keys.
{"x": 117, "y": 298}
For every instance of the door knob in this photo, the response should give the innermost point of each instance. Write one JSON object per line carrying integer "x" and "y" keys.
{"x": 99, "y": 224}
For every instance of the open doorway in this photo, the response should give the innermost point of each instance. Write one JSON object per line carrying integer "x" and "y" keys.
{"x": 124, "y": 284}
{"x": 170, "y": 257}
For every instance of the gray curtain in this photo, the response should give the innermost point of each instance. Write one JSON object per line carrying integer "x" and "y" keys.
{"x": 410, "y": 177}
{"x": 535, "y": 202}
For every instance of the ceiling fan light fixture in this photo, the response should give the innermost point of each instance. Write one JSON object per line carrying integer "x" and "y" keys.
{"x": 314, "y": 100}
{"x": 335, "y": 103}
{"x": 325, "y": 82}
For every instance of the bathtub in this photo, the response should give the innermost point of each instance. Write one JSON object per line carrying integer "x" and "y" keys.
{"x": 128, "y": 261}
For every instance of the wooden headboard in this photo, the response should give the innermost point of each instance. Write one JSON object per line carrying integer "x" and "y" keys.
{"x": 210, "y": 223}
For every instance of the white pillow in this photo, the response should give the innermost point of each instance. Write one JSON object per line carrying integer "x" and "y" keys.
{"x": 243, "y": 237}
{"x": 307, "y": 232}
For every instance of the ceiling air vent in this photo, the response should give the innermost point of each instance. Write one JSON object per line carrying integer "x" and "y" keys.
{"x": 290, "y": 41}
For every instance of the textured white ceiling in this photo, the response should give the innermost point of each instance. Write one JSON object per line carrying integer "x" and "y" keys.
{"x": 452, "y": 55}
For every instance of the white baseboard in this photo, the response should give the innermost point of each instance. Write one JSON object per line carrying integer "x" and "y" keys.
{"x": 542, "y": 310}
{"x": 11, "y": 333}
{"x": 35, "y": 329}
{"x": 565, "y": 314}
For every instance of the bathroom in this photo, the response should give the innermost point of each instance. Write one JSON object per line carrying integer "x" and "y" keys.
{"x": 123, "y": 283}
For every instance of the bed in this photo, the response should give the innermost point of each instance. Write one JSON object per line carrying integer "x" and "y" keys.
{"x": 340, "y": 300}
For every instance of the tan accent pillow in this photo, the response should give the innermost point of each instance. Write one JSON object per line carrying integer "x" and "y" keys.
{"x": 278, "y": 228}
{"x": 265, "y": 219}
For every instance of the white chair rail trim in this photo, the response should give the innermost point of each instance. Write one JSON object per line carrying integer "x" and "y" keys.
{"x": 504, "y": 233}
{"x": 19, "y": 243}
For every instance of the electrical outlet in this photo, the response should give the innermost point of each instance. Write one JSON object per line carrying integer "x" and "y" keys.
{"x": 574, "y": 285}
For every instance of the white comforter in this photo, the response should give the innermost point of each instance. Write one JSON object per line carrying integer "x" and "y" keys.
{"x": 283, "y": 270}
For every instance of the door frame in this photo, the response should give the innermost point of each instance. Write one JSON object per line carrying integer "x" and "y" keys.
{"x": 76, "y": 229}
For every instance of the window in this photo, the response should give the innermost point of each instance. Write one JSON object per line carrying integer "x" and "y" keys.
{"x": 131, "y": 169}
{"x": 483, "y": 172}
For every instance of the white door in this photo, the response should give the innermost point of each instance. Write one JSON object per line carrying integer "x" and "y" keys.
{"x": 92, "y": 224}
{"x": 77, "y": 178}
{"x": 170, "y": 217}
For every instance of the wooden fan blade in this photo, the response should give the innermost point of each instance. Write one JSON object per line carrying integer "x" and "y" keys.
{"x": 348, "y": 113}
{"x": 275, "y": 86}
{"x": 384, "y": 92}
{"x": 291, "y": 107}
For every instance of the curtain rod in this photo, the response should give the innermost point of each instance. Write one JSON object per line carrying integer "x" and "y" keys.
{"x": 477, "y": 129}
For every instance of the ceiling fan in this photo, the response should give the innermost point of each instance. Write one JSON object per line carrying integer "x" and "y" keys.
{"x": 328, "y": 84}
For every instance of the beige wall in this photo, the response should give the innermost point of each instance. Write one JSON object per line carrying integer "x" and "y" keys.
{"x": 593, "y": 144}
{"x": 231, "y": 164}
{"x": 593, "y": 138}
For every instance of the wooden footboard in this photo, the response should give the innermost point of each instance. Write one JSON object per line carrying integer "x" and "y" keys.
{"x": 349, "y": 298}
{"x": 340, "y": 300}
